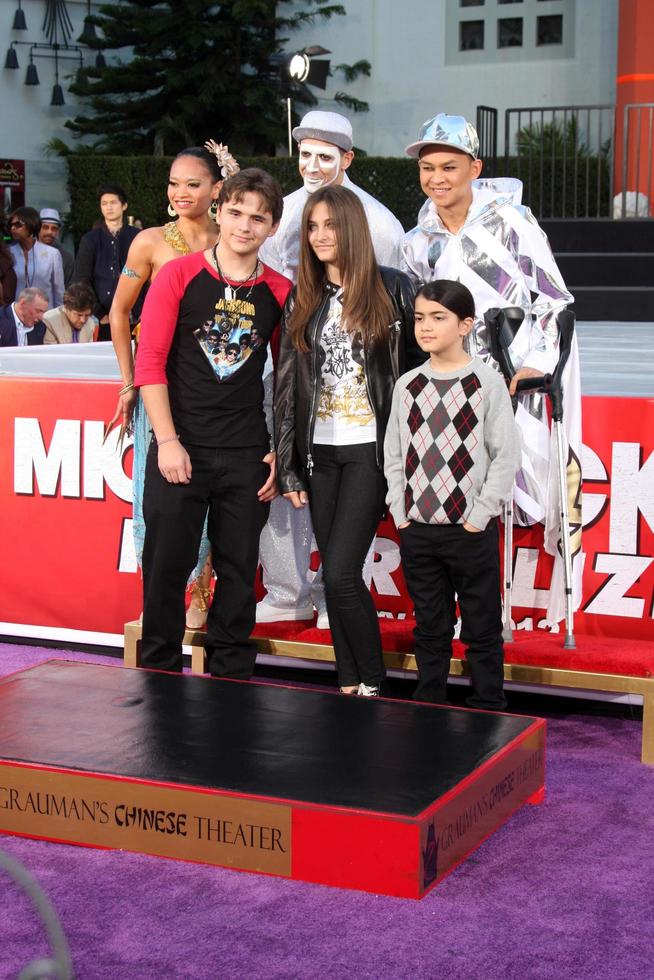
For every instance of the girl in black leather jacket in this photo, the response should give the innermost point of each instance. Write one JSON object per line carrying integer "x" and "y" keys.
{"x": 347, "y": 336}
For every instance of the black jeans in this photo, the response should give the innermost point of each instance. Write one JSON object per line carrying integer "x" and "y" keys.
{"x": 347, "y": 493}
{"x": 440, "y": 561}
{"x": 225, "y": 482}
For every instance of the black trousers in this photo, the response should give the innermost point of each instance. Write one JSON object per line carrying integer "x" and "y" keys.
{"x": 224, "y": 482}
{"x": 347, "y": 494}
{"x": 439, "y": 562}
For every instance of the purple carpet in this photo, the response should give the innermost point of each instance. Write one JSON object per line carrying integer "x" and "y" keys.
{"x": 562, "y": 890}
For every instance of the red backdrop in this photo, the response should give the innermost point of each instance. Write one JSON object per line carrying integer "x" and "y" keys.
{"x": 65, "y": 521}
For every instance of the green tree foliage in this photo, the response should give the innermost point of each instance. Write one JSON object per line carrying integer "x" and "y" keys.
{"x": 191, "y": 70}
{"x": 552, "y": 139}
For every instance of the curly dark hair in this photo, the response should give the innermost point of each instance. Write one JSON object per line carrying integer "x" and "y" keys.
{"x": 79, "y": 297}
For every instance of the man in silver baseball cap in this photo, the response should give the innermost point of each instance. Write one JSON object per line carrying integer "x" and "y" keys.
{"x": 478, "y": 232}
{"x": 444, "y": 130}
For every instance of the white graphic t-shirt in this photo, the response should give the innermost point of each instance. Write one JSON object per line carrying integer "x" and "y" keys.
{"x": 345, "y": 416}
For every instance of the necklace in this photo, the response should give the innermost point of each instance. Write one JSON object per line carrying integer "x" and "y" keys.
{"x": 26, "y": 256}
{"x": 231, "y": 292}
{"x": 173, "y": 237}
{"x": 231, "y": 319}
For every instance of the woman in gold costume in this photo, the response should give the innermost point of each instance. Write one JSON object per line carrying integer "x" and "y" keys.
{"x": 195, "y": 179}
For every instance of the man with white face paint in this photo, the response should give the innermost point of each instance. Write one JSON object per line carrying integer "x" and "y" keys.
{"x": 320, "y": 165}
{"x": 325, "y": 153}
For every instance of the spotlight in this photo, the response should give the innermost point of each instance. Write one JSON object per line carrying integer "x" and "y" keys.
{"x": 57, "y": 95}
{"x": 299, "y": 67}
{"x": 304, "y": 68}
{"x": 32, "y": 76}
{"x": 12, "y": 59}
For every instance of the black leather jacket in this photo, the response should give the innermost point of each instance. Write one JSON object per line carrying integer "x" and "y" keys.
{"x": 297, "y": 386}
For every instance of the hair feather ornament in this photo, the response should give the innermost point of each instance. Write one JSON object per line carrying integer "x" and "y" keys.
{"x": 226, "y": 162}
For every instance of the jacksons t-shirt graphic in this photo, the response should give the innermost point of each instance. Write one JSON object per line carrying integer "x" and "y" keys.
{"x": 229, "y": 337}
{"x": 196, "y": 335}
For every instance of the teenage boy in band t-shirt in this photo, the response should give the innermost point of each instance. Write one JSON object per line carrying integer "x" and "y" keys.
{"x": 211, "y": 448}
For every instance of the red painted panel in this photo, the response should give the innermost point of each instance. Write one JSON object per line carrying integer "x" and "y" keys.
{"x": 65, "y": 513}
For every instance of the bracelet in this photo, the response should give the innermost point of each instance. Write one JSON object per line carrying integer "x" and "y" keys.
{"x": 126, "y": 388}
{"x": 160, "y": 442}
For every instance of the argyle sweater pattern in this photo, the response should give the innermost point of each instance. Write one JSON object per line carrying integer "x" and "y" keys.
{"x": 452, "y": 447}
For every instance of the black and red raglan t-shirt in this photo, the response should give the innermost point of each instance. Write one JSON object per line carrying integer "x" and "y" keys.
{"x": 207, "y": 339}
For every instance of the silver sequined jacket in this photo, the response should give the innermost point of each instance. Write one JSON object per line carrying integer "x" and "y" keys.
{"x": 503, "y": 256}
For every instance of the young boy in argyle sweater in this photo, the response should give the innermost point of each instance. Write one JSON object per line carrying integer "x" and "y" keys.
{"x": 451, "y": 454}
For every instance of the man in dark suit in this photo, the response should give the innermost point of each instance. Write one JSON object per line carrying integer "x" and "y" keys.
{"x": 103, "y": 252}
{"x": 21, "y": 323}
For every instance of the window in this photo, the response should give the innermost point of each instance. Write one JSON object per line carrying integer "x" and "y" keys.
{"x": 549, "y": 29}
{"x": 471, "y": 36}
{"x": 486, "y": 32}
{"x": 509, "y": 32}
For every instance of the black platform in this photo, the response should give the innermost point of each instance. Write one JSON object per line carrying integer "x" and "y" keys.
{"x": 250, "y": 741}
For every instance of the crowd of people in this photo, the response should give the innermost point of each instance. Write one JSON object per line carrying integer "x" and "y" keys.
{"x": 36, "y": 268}
{"x": 380, "y": 392}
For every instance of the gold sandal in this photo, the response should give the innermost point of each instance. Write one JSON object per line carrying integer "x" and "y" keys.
{"x": 198, "y": 610}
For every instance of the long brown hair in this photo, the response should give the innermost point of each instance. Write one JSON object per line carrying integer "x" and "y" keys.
{"x": 367, "y": 307}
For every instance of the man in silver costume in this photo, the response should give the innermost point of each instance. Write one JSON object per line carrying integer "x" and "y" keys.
{"x": 479, "y": 233}
{"x": 325, "y": 153}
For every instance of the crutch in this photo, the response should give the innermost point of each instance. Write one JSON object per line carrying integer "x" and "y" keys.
{"x": 501, "y": 333}
{"x": 502, "y": 326}
{"x": 566, "y": 324}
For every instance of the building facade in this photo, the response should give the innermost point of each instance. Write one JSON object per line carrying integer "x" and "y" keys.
{"x": 29, "y": 112}
{"x": 427, "y": 56}
{"x": 432, "y": 56}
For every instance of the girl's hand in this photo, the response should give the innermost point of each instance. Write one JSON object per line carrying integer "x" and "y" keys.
{"x": 269, "y": 490}
{"x": 299, "y": 498}
{"x": 123, "y": 414}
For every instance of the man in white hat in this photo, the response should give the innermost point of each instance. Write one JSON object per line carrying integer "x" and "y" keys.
{"x": 325, "y": 153}
{"x": 49, "y": 235}
{"x": 479, "y": 233}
